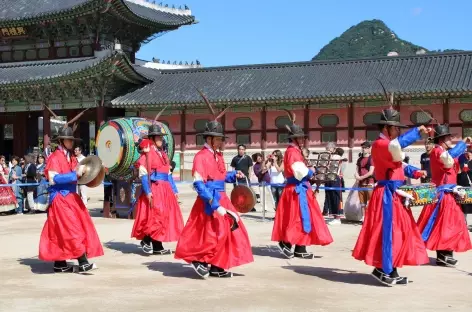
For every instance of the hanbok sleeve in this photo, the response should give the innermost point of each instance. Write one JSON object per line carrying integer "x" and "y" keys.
{"x": 143, "y": 174}
{"x": 406, "y": 139}
{"x": 55, "y": 177}
{"x": 198, "y": 172}
{"x": 411, "y": 171}
{"x": 299, "y": 168}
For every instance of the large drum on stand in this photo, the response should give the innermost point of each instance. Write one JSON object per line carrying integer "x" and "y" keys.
{"x": 117, "y": 147}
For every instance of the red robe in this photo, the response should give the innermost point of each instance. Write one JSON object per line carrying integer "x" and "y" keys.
{"x": 207, "y": 236}
{"x": 288, "y": 224}
{"x": 449, "y": 229}
{"x": 407, "y": 247}
{"x": 69, "y": 231}
{"x": 7, "y": 197}
{"x": 163, "y": 222}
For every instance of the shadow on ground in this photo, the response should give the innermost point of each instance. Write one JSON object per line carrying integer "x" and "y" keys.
{"x": 178, "y": 270}
{"x": 126, "y": 248}
{"x": 270, "y": 251}
{"x": 335, "y": 275}
{"x": 257, "y": 218}
{"x": 37, "y": 266}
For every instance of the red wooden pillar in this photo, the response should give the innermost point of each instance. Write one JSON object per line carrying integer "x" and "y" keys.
{"x": 46, "y": 128}
{"x": 183, "y": 142}
{"x": 446, "y": 111}
{"x": 350, "y": 128}
{"x": 263, "y": 130}
{"x": 306, "y": 124}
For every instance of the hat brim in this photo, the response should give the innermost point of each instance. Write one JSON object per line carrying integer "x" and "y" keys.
{"x": 390, "y": 123}
{"x": 156, "y": 134}
{"x": 213, "y": 134}
{"x": 294, "y": 136}
{"x": 66, "y": 138}
{"x": 443, "y": 135}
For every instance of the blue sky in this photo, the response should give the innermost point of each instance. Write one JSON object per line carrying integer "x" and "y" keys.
{"x": 233, "y": 32}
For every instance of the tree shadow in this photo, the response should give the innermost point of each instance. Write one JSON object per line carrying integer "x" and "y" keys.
{"x": 38, "y": 266}
{"x": 270, "y": 251}
{"x": 335, "y": 275}
{"x": 177, "y": 270}
{"x": 125, "y": 248}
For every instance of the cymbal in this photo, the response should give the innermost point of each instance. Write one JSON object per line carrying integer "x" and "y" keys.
{"x": 98, "y": 179}
{"x": 93, "y": 166}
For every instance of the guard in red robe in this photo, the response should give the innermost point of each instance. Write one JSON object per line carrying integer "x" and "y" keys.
{"x": 442, "y": 224}
{"x": 389, "y": 237}
{"x": 158, "y": 215}
{"x": 69, "y": 232}
{"x": 213, "y": 235}
{"x": 298, "y": 219}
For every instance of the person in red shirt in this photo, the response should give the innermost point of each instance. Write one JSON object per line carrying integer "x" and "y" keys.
{"x": 389, "y": 237}
{"x": 214, "y": 234}
{"x": 298, "y": 219}
{"x": 68, "y": 232}
{"x": 442, "y": 224}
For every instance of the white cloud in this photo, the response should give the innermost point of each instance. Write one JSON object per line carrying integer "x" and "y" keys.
{"x": 417, "y": 11}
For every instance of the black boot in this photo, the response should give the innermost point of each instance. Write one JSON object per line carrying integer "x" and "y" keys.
{"x": 286, "y": 249}
{"x": 300, "y": 252}
{"x": 399, "y": 280}
{"x": 84, "y": 265}
{"x": 63, "y": 267}
{"x": 158, "y": 249}
{"x": 219, "y": 272}
{"x": 200, "y": 268}
{"x": 146, "y": 245}
{"x": 382, "y": 277}
{"x": 445, "y": 258}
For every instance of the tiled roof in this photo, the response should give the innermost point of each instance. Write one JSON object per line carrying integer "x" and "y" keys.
{"x": 16, "y": 74}
{"x": 410, "y": 76}
{"x": 147, "y": 72}
{"x": 18, "y": 10}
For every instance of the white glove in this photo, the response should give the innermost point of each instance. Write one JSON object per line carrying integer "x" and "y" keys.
{"x": 459, "y": 191}
{"x": 404, "y": 194}
{"x": 221, "y": 211}
{"x": 235, "y": 215}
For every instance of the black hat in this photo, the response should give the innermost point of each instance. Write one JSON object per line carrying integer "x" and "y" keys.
{"x": 156, "y": 129}
{"x": 294, "y": 130}
{"x": 366, "y": 144}
{"x": 213, "y": 128}
{"x": 66, "y": 134}
{"x": 390, "y": 117}
{"x": 441, "y": 131}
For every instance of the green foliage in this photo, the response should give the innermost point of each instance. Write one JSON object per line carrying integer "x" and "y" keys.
{"x": 367, "y": 39}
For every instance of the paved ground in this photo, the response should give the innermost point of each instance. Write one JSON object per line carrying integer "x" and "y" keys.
{"x": 129, "y": 281}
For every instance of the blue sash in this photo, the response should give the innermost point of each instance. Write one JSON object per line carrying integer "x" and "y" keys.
{"x": 446, "y": 188}
{"x": 390, "y": 186}
{"x": 301, "y": 188}
{"x": 159, "y": 176}
{"x": 64, "y": 189}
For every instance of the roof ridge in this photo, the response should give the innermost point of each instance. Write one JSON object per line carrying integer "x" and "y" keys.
{"x": 314, "y": 63}
{"x": 46, "y": 62}
{"x": 163, "y": 8}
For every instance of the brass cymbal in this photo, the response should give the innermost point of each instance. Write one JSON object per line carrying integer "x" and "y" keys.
{"x": 93, "y": 166}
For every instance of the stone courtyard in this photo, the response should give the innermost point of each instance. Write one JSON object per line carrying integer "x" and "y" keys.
{"x": 127, "y": 280}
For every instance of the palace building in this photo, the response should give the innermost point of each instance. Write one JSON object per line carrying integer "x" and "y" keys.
{"x": 76, "y": 54}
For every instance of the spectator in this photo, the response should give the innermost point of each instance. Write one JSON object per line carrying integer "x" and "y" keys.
{"x": 333, "y": 199}
{"x": 29, "y": 173}
{"x": 15, "y": 178}
{"x": 260, "y": 171}
{"x": 275, "y": 167}
{"x": 7, "y": 197}
{"x": 243, "y": 163}
{"x": 365, "y": 176}
{"x": 424, "y": 160}
{"x": 41, "y": 200}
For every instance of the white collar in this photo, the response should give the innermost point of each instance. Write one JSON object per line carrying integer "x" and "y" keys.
{"x": 383, "y": 136}
{"x": 209, "y": 147}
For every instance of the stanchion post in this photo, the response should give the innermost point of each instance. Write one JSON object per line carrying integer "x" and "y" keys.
{"x": 263, "y": 201}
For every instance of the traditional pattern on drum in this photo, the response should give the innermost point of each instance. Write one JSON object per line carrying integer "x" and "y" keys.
{"x": 116, "y": 144}
{"x": 423, "y": 194}
{"x": 465, "y": 196}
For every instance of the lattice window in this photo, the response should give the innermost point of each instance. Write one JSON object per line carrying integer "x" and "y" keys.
{"x": 329, "y": 120}
{"x": 281, "y": 121}
{"x": 466, "y": 115}
{"x": 371, "y": 135}
{"x": 200, "y": 141}
{"x": 243, "y": 139}
{"x": 328, "y": 136}
{"x": 200, "y": 124}
{"x": 282, "y": 137}
{"x": 371, "y": 118}
{"x": 242, "y": 123}
{"x": 420, "y": 117}
{"x": 466, "y": 132}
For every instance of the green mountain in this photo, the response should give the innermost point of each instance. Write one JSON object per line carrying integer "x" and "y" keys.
{"x": 368, "y": 39}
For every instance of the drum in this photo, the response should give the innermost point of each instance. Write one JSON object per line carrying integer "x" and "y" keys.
{"x": 423, "y": 194}
{"x": 243, "y": 197}
{"x": 465, "y": 196}
{"x": 116, "y": 144}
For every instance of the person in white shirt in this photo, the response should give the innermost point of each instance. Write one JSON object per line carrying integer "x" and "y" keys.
{"x": 81, "y": 189}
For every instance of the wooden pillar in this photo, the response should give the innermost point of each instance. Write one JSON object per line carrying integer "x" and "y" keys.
{"x": 46, "y": 128}
{"x": 350, "y": 127}
{"x": 19, "y": 134}
{"x": 306, "y": 124}
{"x": 2, "y": 140}
{"x": 446, "y": 111}
{"x": 99, "y": 118}
{"x": 183, "y": 141}
{"x": 263, "y": 130}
